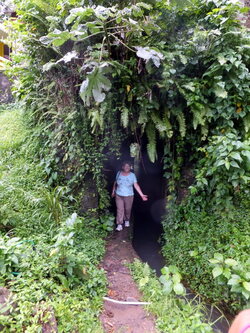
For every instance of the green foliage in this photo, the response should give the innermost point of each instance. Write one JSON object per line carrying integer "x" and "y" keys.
{"x": 224, "y": 170}
{"x": 202, "y": 234}
{"x": 231, "y": 272}
{"x": 21, "y": 177}
{"x": 53, "y": 201}
{"x": 107, "y": 222}
{"x": 171, "y": 280}
{"x": 173, "y": 314}
{"x": 177, "y": 73}
{"x": 47, "y": 261}
{"x": 10, "y": 254}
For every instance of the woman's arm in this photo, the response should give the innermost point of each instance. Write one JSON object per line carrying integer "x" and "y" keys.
{"x": 138, "y": 189}
{"x": 113, "y": 190}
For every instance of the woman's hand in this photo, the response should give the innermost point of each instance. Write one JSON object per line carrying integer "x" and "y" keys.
{"x": 144, "y": 197}
{"x": 113, "y": 194}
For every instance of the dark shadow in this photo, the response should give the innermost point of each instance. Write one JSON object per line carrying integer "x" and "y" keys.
{"x": 148, "y": 215}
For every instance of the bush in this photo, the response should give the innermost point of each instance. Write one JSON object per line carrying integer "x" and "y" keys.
{"x": 192, "y": 238}
{"x": 49, "y": 262}
{"x": 173, "y": 315}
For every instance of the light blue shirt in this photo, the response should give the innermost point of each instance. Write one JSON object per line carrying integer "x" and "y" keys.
{"x": 125, "y": 184}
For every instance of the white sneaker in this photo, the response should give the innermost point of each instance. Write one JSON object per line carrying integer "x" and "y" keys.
{"x": 119, "y": 227}
{"x": 127, "y": 224}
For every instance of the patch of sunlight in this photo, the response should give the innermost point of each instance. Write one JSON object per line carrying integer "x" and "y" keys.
{"x": 12, "y": 130}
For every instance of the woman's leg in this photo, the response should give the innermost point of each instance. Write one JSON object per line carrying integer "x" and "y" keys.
{"x": 119, "y": 209}
{"x": 128, "y": 201}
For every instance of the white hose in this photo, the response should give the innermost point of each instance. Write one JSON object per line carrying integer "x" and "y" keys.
{"x": 125, "y": 303}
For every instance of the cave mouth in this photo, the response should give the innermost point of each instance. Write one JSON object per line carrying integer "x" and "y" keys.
{"x": 146, "y": 215}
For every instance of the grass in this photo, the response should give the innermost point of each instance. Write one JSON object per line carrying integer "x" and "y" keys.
{"x": 13, "y": 131}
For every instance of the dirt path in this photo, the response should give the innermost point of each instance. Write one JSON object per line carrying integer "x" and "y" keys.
{"x": 118, "y": 318}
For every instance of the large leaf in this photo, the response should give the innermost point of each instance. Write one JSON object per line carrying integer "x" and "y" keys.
{"x": 220, "y": 92}
{"x": 179, "y": 289}
{"x": 80, "y": 12}
{"x": 95, "y": 85}
{"x": 231, "y": 262}
{"x": 217, "y": 271}
{"x": 147, "y": 53}
{"x": 246, "y": 285}
{"x": 57, "y": 37}
{"x": 168, "y": 287}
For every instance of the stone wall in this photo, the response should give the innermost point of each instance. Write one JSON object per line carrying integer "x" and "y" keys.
{"x": 5, "y": 92}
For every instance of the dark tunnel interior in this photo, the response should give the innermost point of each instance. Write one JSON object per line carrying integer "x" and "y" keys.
{"x": 146, "y": 215}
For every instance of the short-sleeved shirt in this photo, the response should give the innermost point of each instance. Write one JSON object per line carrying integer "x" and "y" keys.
{"x": 125, "y": 184}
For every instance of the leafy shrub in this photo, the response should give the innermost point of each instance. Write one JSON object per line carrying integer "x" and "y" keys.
{"x": 192, "y": 237}
{"x": 173, "y": 315}
{"x": 231, "y": 272}
{"x": 10, "y": 254}
{"x": 47, "y": 261}
{"x": 224, "y": 169}
{"x": 176, "y": 74}
{"x": 171, "y": 280}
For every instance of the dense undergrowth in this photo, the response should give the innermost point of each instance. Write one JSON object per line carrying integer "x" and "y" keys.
{"x": 173, "y": 314}
{"x": 212, "y": 251}
{"x": 158, "y": 74}
{"x": 49, "y": 264}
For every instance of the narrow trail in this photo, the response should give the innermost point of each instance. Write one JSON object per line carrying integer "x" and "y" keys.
{"x": 117, "y": 318}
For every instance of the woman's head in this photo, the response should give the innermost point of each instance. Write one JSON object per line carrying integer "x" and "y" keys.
{"x": 126, "y": 166}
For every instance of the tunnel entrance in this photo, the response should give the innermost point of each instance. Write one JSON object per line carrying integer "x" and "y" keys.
{"x": 147, "y": 227}
{"x": 147, "y": 215}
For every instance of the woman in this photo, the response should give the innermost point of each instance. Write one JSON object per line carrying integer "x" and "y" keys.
{"x": 124, "y": 194}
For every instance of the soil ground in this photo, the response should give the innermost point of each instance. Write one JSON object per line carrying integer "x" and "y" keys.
{"x": 118, "y": 318}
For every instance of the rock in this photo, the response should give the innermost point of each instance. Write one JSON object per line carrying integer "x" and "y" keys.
{"x": 89, "y": 196}
{"x": 5, "y": 92}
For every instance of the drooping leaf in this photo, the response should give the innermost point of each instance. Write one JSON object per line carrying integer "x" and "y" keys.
{"x": 95, "y": 85}
{"x": 68, "y": 57}
{"x": 147, "y": 53}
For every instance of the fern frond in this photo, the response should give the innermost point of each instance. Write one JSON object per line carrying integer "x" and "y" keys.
{"x": 199, "y": 112}
{"x": 178, "y": 113}
{"x": 182, "y": 123}
{"x": 159, "y": 125}
{"x": 124, "y": 117}
{"x": 96, "y": 118}
{"x": 169, "y": 129}
{"x": 143, "y": 117}
{"x": 204, "y": 132}
{"x": 151, "y": 146}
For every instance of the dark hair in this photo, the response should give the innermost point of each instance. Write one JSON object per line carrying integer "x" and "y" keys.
{"x": 127, "y": 162}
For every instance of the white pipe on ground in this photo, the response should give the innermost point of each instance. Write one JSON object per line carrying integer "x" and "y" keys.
{"x": 125, "y": 303}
